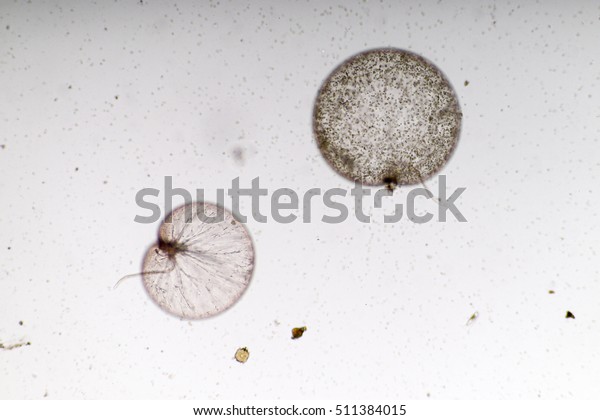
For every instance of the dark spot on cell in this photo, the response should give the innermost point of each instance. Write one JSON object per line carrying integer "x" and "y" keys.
{"x": 466, "y": 83}
{"x": 20, "y": 322}
{"x": 551, "y": 292}
{"x": 298, "y": 332}
{"x": 570, "y": 315}
{"x": 391, "y": 182}
{"x": 171, "y": 248}
{"x": 386, "y": 111}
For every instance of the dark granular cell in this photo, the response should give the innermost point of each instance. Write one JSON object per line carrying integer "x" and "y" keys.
{"x": 202, "y": 262}
{"x": 387, "y": 115}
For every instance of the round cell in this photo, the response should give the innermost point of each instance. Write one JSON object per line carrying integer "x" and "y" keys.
{"x": 386, "y": 116}
{"x": 202, "y": 263}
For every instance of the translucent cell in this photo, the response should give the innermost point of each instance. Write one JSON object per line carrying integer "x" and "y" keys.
{"x": 202, "y": 263}
{"x": 387, "y": 116}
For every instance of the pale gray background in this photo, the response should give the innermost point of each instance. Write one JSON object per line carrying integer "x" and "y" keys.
{"x": 385, "y": 305}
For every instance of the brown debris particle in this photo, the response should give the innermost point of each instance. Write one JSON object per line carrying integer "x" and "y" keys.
{"x": 570, "y": 315}
{"x": 297, "y": 332}
{"x": 242, "y": 354}
{"x": 14, "y": 346}
{"x": 466, "y": 83}
{"x": 551, "y": 292}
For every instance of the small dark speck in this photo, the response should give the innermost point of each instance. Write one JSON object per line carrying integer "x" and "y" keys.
{"x": 117, "y": 97}
{"x": 20, "y": 322}
{"x": 7, "y": 27}
{"x": 3, "y": 146}
{"x": 570, "y": 315}
{"x": 70, "y": 87}
{"x": 76, "y": 169}
{"x": 105, "y": 182}
{"x": 238, "y": 155}
{"x": 551, "y": 292}
{"x": 473, "y": 318}
{"x": 9, "y": 248}
{"x": 466, "y": 83}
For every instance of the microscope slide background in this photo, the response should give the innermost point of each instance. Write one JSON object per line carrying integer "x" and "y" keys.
{"x": 102, "y": 99}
